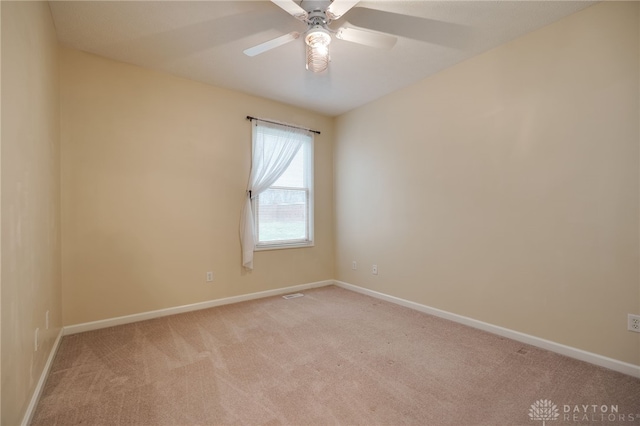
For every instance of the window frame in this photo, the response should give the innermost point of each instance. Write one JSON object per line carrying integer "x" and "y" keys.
{"x": 308, "y": 161}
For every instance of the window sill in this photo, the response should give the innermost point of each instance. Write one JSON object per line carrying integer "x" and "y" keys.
{"x": 265, "y": 247}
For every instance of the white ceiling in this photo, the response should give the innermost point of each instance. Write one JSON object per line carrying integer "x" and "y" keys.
{"x": 204, "y": 40}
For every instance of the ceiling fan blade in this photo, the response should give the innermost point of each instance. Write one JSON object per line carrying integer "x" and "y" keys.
{"x": 368, "y": 38}
{"x": 446, "y": 34}
{"x": 292, "y": 8}
{"x": 339, "y": 7}
{"x": 271, "y": 44}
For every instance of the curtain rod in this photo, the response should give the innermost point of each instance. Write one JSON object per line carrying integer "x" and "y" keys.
{"x": 286, "y": 125}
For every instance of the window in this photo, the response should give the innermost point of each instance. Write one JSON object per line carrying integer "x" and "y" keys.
{"x": 283, "y": 213}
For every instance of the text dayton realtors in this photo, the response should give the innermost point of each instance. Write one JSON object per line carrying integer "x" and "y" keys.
{"x": 596, "y": 413}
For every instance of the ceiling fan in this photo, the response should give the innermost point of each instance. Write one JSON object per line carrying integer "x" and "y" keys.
{"x": 318, "y": 14}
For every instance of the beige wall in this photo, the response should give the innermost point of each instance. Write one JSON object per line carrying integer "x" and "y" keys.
{"x": 506, "y": 188}
{"x": 154, "y": 172}
{"x": 0, "y": 215}
{"x": 30, "y": 200}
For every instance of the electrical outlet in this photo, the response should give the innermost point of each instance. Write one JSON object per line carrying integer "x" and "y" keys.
{"x": 633, "y": 323}
{"x": 209, "y": 277}
{"x": 354, "y": 265}
{"x": 374, "y": 269}
{"x": 36, "y": 339}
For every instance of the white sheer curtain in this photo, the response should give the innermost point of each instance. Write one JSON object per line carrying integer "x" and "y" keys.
{"x": 274, "y": 147}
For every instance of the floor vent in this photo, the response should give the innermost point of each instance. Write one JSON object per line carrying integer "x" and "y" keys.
{"x": 292, "y": 296}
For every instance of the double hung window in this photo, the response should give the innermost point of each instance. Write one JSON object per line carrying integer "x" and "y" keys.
{"x": 284, "y": 211}
{"x": 278, "y": 211}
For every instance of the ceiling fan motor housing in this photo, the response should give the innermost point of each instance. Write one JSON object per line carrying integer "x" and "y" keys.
{"x": 315, "y": 5}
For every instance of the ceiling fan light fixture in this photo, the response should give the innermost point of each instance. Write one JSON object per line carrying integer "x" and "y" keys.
{"x": 317, "y": 40}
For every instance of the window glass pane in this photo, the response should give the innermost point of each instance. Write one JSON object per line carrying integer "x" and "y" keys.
{"x": 282, "y": 215}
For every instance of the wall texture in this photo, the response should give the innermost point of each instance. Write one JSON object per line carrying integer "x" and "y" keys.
{"x": 154, "y": 173}
{"x": 506, "y": 188}
{"x": 30, "y": 200}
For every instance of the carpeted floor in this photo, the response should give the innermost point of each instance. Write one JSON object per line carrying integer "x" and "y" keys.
{"x": 330, "y": 357}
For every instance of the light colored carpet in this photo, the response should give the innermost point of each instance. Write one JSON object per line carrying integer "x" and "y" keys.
{"x": 330, "y": 357}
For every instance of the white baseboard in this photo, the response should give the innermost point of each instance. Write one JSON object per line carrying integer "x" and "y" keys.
{"x": 31, "y": 409}
{"x": 110, "y": 322}
{"x": 602, "y": 361}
